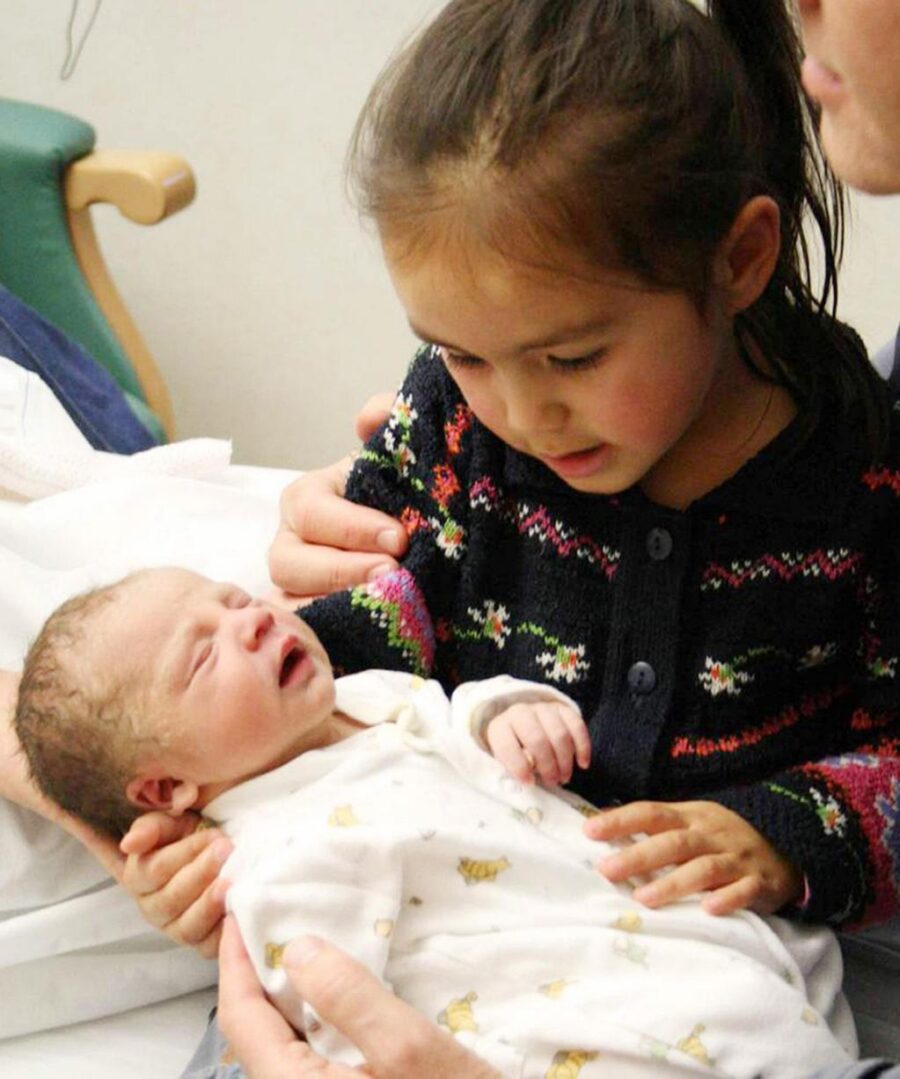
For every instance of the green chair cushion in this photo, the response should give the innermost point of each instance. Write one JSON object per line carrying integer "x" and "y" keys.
{"x": 37, "y": 260}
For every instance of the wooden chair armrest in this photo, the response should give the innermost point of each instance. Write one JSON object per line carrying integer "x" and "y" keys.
{"x": 144, "y": 185}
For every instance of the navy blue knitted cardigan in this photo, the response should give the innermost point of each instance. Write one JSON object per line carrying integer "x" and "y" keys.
{"x": 744, "y": 650}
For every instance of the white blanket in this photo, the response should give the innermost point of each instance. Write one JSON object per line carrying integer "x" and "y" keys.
{"x": 72, "y": 945}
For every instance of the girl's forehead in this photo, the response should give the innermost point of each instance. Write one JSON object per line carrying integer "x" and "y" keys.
{"x": 541, "y": 304}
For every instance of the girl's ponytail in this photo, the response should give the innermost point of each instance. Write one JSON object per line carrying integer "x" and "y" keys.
{"x": 764, "y": 36}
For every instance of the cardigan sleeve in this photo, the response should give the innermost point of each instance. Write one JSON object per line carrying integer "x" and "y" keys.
{"x": 414, "y": 469}
{"x": 838, "y": 819}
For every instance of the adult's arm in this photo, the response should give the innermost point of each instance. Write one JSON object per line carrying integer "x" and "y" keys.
{"x": 395, "y": 1040}
{"x": 325, "y": 543}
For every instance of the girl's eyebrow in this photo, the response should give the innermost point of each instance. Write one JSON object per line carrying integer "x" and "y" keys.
{"x": 560, "y": 336}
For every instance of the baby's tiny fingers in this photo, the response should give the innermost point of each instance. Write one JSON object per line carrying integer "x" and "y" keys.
{"x": 581, "y": 737}
{"x": 505, "y": 746}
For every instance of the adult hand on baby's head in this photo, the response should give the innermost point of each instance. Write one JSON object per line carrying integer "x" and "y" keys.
{"x": 324, "y": 543}
{"x": 172, "y": 873}
{"x": 397, "y": 1042}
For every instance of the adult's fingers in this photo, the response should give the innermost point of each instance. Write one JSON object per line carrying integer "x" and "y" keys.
{"x": 260, "y": 1038}
{"x": 178, "y": 890}
{"x": 396, "y": 1041}
{"x": 373, "y": 414}
{"x": 154, "y": 830}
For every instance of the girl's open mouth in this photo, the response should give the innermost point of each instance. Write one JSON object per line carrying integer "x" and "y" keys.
{"x": 575, "y": 465}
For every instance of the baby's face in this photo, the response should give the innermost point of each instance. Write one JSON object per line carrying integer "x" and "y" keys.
{"x": 229, "y": 686}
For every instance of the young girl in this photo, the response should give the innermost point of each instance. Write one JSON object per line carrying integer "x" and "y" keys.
{"x": 636, "y": 457}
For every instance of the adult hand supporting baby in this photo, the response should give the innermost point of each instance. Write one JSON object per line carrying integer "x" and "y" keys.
{"x": 713, "y": 849}
{"x": 397, "y": 1042}
{"x": 172, "y": 873}
{"x": 324, "y": 543}
{"x": 16, "y": 785}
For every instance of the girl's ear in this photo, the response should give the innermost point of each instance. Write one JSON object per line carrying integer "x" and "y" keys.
{"x": 748, "y": 255}
{"x": 173, "y": 796}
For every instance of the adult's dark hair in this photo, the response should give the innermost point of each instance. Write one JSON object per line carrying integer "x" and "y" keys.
{"x": 631, "y": 132}
{"x": 73, "y": 724}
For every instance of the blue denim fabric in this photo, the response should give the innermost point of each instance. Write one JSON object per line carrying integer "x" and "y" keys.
{"x": 86, "y": 390}
{"x": 206, "y": 1063}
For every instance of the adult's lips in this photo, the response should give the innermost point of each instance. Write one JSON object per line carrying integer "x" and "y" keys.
{"x": 821, "y": 82}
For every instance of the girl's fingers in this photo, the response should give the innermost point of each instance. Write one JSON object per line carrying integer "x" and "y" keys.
{"x": 310, "y": 570}
{"x": 698, "y": 875}
{"x": 668, "y": 848}
{"x": 314, "y": 509}
{"x": 628, "y": 820}
{"x": 743, "y": 894}
{"x": 373, "y": 414}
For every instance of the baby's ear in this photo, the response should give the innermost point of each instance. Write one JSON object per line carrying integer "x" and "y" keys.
{"x": 174, "y": 796}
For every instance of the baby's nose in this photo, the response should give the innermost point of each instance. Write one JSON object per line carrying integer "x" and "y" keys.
{"x": 255, "y": 624}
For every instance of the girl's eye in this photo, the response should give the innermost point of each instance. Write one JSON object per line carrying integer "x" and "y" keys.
{"x": 458, "y": 359}
{"x": 577, "y": 363}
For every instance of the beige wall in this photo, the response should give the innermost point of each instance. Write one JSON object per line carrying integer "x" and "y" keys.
{"x": 265, "y": 303}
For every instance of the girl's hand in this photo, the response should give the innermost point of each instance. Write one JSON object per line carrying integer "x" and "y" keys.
{"x": 714, "y": 849}
{"x": 547, "y": 738}
{"x": 172, "y": 872}
{"x": 324, "y": 543}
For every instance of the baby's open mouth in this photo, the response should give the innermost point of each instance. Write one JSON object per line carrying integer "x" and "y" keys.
{"x": 289, "y": 664}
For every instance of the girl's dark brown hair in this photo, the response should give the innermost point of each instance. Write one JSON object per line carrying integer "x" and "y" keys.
{"x": 631, "y": 132}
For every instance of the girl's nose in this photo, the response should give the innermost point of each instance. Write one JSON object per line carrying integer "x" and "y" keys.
{"x": 254, "y": 622}
{"x": 528, "y": 412}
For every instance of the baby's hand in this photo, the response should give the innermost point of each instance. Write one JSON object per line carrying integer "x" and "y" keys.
{"x": 548, "y": 738}
{"x": 704, "y": 847}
